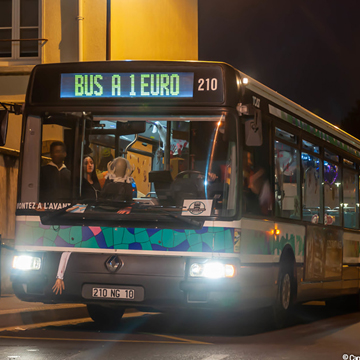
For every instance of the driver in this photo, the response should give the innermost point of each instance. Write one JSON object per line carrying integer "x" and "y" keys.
{"x": 55, "y": 176}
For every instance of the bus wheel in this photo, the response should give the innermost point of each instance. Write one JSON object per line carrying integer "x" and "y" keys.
{"x": 283, "y": 305}
{"x": 105, "y": 316}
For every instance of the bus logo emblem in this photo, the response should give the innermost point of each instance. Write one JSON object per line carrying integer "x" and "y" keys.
{"x": 113, "y": 263}
{"x": 196, "y": 208}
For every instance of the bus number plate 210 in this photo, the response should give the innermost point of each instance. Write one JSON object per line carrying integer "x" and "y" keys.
{"x": 113, "y": 293}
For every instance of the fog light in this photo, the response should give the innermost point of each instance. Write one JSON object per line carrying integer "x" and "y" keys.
{"x": 229, "y": 270}
{"x": 196, "y": 270}
{"x": 212, "y": 270}
{"x": 26, "y": 262}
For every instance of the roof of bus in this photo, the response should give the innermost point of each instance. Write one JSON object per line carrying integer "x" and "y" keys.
{"x": 296, "y": 109}
{"x": 268, "y": 93}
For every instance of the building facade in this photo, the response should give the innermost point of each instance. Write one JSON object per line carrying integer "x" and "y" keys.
{"x": 49, "y": 31}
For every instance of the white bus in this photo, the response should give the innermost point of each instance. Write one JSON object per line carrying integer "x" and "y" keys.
{"x": 180, "y": 185}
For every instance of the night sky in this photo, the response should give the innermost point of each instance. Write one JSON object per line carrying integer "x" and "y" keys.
{"x": 307, "y": 50}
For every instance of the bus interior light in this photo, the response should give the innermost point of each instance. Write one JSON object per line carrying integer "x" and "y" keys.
{"x": 26, "y": 262}
{"x": 212, "y": 270}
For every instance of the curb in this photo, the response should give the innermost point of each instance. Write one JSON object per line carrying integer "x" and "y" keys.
{"x": 29, "y": 316}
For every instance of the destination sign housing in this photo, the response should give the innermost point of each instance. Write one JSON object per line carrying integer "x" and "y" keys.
{"x": 127, "y": 85}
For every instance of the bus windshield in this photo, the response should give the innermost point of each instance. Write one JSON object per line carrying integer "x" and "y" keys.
{"x": 103, "y": 165}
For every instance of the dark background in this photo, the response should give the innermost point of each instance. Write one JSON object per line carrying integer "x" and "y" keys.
{"x": 307, "y": 50}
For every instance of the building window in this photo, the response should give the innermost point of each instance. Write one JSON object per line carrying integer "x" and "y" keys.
{"x": 19, "y": 19}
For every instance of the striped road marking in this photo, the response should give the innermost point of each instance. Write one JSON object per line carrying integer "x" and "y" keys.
{"x": 65, "y": 322}
{"x": 171, "y": 339}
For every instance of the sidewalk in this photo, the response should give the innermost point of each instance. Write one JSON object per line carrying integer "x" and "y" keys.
{"x": 17, "y": 313}
{"x": 6, "y": 256}
{"x": 14, "y": 312}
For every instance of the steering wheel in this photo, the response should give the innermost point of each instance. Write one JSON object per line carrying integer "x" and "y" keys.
{"x": 188, "y": 184}
{"x": 193, "y": 174}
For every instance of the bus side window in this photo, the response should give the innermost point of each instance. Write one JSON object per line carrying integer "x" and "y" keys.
{"x": 287, "y": 183}
{"x": 311, "y": 188}
{"x": 351, "y": 210}
{"x": 332, "y": 182}
{"x": 257, "y": 193}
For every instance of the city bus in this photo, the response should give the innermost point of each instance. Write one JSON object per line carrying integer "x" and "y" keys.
{"x": 167, "y": 186}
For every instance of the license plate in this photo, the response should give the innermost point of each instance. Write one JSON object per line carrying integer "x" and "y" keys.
{"x": 109, "y": 293}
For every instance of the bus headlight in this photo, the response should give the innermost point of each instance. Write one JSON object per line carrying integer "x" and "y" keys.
{"x": 26, "y": 262}
{"x": 212, "y": 270}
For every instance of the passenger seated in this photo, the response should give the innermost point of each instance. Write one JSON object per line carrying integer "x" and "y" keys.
{"x": 90, "y": 184}
{"x": 257, "y": 191}
{"x": 55, "y": 178}
{"x": 118, "y": 182}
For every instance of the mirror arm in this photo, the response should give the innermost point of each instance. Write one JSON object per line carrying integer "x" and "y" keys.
{"x": 13, "y": 108}
{"x": 167, "y": 147}
{"x": 131, "y": 144}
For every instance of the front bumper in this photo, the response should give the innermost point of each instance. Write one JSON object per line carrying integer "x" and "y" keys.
{"x": 164, "y": 280}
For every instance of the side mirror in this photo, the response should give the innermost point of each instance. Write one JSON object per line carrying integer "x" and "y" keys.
{"x": 253, "y": 130}
{"x": 131, "y": 127}
{"x": 4, "y": 116}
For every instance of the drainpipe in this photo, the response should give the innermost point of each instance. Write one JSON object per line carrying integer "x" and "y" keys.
{"x": 108, "y": 29}
{"x": 80, "y": 20}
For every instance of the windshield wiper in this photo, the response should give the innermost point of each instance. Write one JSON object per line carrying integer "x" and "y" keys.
{"x": 181, "y": 218}
{"x": 49, "y": 216}
{"x": 86, "y": 203}
{"x": 118, "y": 205}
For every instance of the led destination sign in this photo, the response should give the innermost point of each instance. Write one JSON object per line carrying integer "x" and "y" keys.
{"x": 127, "y": 85}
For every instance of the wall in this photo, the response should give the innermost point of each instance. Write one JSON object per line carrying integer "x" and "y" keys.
{"x": 154, "y": 30}
{"x": 94, "y": 28}
{"x": 9, "y": 165}
{"x": 8, "y": 181}
{"x": 60, "y": 27}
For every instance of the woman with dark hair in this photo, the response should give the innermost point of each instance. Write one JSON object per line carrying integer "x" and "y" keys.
{"x": 90, "y": 184}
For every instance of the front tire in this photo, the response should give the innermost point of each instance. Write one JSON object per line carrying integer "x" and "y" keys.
{"x": 105, "y": 316}
{"x": 282, "y": 308}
